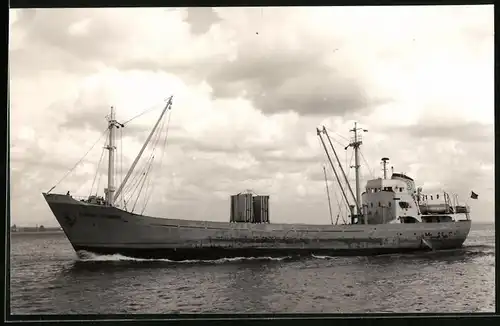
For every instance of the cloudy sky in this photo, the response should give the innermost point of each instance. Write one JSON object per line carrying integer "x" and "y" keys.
{"x": 250, "y": 86}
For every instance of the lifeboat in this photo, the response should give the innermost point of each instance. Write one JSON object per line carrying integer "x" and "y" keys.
{"x": 435, "y": 209}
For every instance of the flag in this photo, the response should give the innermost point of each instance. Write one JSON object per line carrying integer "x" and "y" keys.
{"x": 473, "y": 195}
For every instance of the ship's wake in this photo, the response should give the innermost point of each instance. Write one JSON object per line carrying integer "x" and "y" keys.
{"x": 85, "y": 256}
{"x": 466, "y": 252}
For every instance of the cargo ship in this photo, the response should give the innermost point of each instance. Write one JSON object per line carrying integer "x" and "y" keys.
{"x": 390, "y": 216}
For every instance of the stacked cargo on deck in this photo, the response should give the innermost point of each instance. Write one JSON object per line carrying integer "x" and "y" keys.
{"x": 247, "y": 208}
{"x": 261, "y": 209}
{"x": 241, "y": 208}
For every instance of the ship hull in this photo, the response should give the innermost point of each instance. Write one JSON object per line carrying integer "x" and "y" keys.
{"x": 110, "y": 230}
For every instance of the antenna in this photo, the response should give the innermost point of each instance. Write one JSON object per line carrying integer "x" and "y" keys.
{"x": 328, "y": 194}
{"x": 384, "y": 163}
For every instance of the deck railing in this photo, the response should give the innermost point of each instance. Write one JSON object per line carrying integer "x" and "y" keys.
{"x": 80, "y": 197}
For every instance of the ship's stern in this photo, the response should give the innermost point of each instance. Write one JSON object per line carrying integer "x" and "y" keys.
{"x": 451, "y": 237}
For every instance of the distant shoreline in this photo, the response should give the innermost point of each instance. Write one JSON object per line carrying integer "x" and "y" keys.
{"x": 37, "y": 232}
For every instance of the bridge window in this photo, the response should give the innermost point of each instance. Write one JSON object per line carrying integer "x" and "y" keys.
{"x": 371, "y": 204}
{"x": 431, "y": 197}
{"x": 404, "y": 204}
{"x": 379, "y": 205}
{"x": 437, "y": 196}
{"x": 409, "y": 219}
{"x": 389, "y": 204}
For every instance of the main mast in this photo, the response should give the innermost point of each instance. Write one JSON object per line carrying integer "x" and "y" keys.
{"x": 356, "y": 143}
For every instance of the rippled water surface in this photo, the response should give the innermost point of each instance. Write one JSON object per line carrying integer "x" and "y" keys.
{"x": 48, "y": 278}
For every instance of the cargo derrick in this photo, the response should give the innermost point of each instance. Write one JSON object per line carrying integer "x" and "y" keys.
{"x": 354, "y": 216}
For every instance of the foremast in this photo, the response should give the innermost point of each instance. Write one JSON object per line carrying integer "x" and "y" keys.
{"x": 112, "y": 126}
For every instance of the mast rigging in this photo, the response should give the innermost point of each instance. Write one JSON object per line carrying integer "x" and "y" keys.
{"x": 97, "y": 172}
{"x": 340, "y": 202}
{"x": 328, "y": 194}
{"x": 340, "y": 165}
{"x": 331, "y": 164}
{"x": 147, "y": 171}
{"x": 78, "y": 163}
{"x": 167, "y": 106}
{"x": 355, "y": 143}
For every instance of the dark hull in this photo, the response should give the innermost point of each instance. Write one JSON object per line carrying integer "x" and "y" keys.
{"x": 182, "y": 254}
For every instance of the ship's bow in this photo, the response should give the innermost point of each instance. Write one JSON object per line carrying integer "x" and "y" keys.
{"x": 65, "y": 210}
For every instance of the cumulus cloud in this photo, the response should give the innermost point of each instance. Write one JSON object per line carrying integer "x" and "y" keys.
{"x": 201, "y": 19}
{"x": 440, "y": 129}
{"x": 250, "y": 86}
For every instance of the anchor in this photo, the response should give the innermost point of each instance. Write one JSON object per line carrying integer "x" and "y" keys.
{"x": 427, "y": 244}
